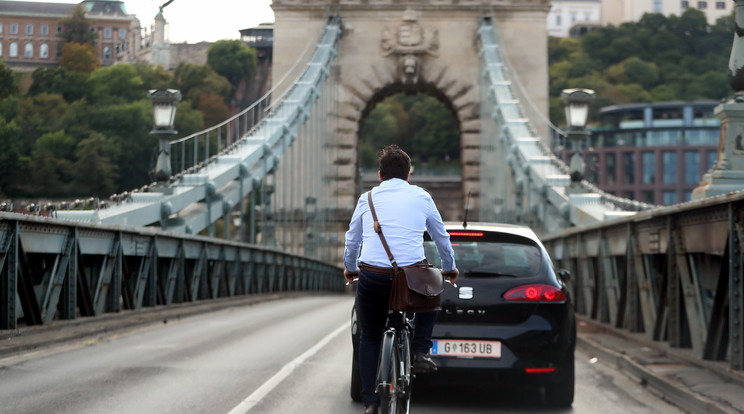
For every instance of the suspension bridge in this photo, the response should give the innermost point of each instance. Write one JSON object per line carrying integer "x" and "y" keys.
{"x": 259, "y": 203}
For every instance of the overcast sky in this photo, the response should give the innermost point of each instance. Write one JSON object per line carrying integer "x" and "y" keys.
{"x": 193, "y": 21}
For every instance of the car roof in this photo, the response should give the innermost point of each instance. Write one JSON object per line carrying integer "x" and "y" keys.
{"x": 514, "y": 229}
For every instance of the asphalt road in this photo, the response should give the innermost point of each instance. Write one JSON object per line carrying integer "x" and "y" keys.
{"x": 283, "y": 356}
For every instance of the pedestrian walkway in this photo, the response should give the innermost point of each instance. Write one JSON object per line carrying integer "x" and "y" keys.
{"x": 694, "y": 385}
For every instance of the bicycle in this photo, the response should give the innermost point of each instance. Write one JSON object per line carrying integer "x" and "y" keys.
{"x": 394, "y": 371}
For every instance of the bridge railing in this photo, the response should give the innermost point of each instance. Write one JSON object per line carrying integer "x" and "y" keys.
{"x": 516, "y": 160}
{"x": 53, "y": 269}
{"x": 674, "y": 273}
{"x": 250, "y": 146}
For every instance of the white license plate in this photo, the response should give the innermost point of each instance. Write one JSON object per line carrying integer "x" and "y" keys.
{"x": 466, "y": 348}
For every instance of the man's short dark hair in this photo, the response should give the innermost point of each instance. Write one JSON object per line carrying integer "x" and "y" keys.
{"x": 394, "y": 163}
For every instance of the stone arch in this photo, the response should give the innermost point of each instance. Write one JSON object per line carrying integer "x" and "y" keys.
{"x": 360, "y": 93}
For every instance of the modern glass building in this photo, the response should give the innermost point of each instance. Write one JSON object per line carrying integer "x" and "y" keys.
{"x": 655, "y": 152}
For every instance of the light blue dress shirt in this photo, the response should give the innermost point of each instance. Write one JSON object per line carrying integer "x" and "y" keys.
{"x": 405, "y": 211}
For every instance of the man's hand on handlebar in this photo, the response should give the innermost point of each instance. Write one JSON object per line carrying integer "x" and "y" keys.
{"x": 351, "y": 277}
{"x": 451, "y": 275}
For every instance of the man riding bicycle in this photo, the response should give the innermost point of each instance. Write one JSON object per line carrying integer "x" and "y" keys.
{"x": 404, "y": 211}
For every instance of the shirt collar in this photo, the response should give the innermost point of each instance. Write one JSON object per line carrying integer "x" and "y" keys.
{"x": 393, "y": 182}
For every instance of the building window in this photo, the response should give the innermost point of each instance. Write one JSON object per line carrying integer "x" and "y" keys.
{"x": 557, "y": 19}
{"x": 44, "y": 51}
{"x": 670, "y": 197}
{"x": 28, "y": 51}
{"x": 107, "y": 33}
{"x": 573, "y": 17}
{"x": 648, "y": 197}
{"x": 611, "y": 177}
{"x": 1, "y": 27}
{"x": 45, "y": 30}
{"x": 692, "y": 167}
{"x": 669, "y": 162}
{"x": 1, "y": 49}
{"x": 122, "y": 33}
{"x": 702, "y": 5}
{"x": 14, "y": 28}
{"x": 649, "y": 167}
{"x": 720, "y": 5}
{"x": 29, "y": 29}
{"x": 14, "y": 49}
{"x": 685, "y": 4}
{"x": 59, "y": 29}
{"x": 107, "y": 52}
{"x": 657, "y": 6}
{"x": 629, "y": 167}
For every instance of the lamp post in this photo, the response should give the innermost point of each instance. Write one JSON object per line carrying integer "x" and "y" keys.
{"x": 576, "y": 103}
{"x": 164, "y": 104}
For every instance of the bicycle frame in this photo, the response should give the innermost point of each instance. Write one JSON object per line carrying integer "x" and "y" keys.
{"x": 394, "y": 373}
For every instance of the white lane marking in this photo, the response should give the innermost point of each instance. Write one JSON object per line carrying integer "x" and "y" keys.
{"x": 283, "y": 373}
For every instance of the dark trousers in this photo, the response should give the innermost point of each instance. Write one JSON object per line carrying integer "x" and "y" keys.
{"x": 373, "y": 293}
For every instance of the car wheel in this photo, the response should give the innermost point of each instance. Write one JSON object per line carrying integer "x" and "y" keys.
{"x": 355, "y": 389}
{"x": 561, "y": 395}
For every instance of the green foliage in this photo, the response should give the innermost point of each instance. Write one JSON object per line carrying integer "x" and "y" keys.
{"x": 94, "y": 173}
{"x": 424, "y": 127}
{"x": 154, "y": 77}
{"x": 658, "y": 58}
{"x": 232, "y": 59}
{"x": 8, "y": 83}
{"x": 195, "y": 80}
{"x": 70, "y": 84}
{"x": 52, "y": 170}
{"x": 115, "y": 84}
{"x": 10, "y": 154}
{"x": 79, "y": 57}
{"x": 76, "y": 28}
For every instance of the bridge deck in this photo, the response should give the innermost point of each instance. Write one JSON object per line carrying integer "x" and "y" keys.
{"x": 686, "y": 381}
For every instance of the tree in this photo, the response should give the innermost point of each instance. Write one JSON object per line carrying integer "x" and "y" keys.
{"x": 213, "y": 109}
{"x": 116, "y": 84}
{"x": 51, "y": 164}
{"x": 195, "y": 80}
{"x": 71, "y": 85}
{"x": 154, "y": 77}
{"x": 76, "y": 29}
{"x": 232, "y": 59}
{"x": 79, "y": 57}
{"x": 10, "y": 156}
{"x": 8, "y": 84}
{"x": 94, "y": 172}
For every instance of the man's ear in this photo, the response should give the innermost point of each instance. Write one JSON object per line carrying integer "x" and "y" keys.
{"x": 379, "y": 175}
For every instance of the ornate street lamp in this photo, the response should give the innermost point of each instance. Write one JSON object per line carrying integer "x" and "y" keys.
{"x": 577, "y": 111}
{"x": 164, "y": 104}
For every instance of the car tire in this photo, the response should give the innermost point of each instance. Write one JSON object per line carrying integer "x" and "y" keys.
{"x": 355, "y": 389}
{"x": 561, "y": 395}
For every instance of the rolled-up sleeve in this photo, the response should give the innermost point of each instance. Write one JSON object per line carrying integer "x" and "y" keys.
{"x": 435, "y": 228}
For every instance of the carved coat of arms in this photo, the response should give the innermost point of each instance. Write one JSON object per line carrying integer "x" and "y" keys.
{"x": 409, "y": 43}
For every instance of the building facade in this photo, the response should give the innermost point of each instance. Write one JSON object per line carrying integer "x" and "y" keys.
{"x": 655, "y": 152}
{"x": 566, "y": 15}
{"x": 29, "y": 31}
{"x": 616, "y": 12}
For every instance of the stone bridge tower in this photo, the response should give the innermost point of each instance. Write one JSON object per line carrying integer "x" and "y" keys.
{"x": 426, "y": 46}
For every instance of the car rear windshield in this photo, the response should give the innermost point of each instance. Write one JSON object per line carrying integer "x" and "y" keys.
{"x": 490, "y": 255}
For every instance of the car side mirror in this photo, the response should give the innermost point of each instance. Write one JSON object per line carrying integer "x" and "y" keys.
{"x": 564, "y": 275}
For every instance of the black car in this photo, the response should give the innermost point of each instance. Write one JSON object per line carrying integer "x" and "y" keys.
{"x": 510, "y": 318}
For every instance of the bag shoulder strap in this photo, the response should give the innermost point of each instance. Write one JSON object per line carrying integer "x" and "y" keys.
{"x": 378, "y": 230}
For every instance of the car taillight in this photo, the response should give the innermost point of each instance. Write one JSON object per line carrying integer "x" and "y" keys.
{"x": 535, "y": 293}
{"x": 466, "y": 233}
{"x": 539, "y": 370}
